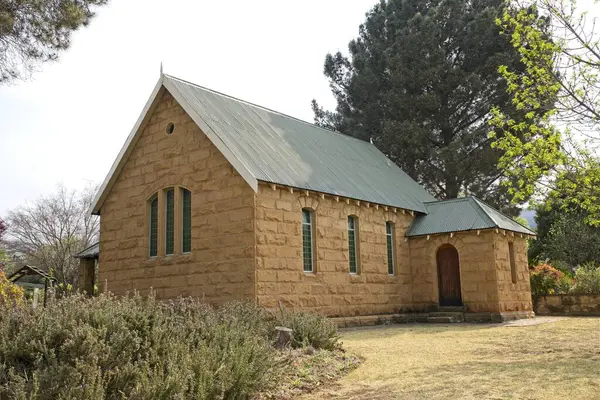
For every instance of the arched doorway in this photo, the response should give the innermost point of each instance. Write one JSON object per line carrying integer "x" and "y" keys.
{"x": 448, "y": 276}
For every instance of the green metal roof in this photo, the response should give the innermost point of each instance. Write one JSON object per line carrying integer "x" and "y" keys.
{"x": 280, "y": 149}
{"x": 463, "y": 214}
{"x": 90, "y": 252}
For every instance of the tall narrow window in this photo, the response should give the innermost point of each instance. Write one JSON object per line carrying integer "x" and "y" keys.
{"x": 513, "y": 267}
{"x": 391, "y": 257}
{"x": 170, "y": 222}
{"x": 153, "y": 245}
{"x": 352, "y": 243}
{"x": 307, "y": 240}
{"x": 186, "y": 242}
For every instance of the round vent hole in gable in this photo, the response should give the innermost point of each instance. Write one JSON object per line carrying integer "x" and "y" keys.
{"x": 170, "y": 128}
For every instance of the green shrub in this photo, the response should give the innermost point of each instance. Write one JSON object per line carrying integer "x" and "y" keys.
{"x": 545, "y": 279}
{"x": 587, "y": 279}
{"x": 310, "y": 329}
{"x": 565, "y": 285}
{"x": 134, "y": 348}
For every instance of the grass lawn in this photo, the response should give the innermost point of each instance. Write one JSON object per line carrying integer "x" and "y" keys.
{"x": 555, "y": 360}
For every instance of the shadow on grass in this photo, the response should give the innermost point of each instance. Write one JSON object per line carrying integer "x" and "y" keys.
{"x": 378, "y": 331}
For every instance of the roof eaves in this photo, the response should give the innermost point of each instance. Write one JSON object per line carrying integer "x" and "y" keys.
{"x": 82, "y": 253}
{"x": 408, "y": 234}
{"x": 416, "y": 212}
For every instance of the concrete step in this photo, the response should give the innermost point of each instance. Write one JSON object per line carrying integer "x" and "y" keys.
{"x": 460, "y": 309}
{"x": 441, "y": 320}
{"x": 456, "y": 315}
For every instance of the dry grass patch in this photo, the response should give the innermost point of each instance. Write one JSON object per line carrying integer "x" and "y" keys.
{"x": 555, "y": 360}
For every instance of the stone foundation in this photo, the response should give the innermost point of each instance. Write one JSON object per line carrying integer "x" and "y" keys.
{"x": 422, "y": 317}
{"x": 575, "y": 305}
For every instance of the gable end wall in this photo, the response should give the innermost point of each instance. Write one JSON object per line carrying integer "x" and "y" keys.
{"x": 221, "y": 264}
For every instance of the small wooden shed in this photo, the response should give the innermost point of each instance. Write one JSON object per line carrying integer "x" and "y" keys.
{"x": 88, "y": 259}
{"x": 31, "y": 277}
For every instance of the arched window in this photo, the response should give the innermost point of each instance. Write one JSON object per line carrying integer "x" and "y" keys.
{"x": 308, "y": 250}
{"x": 391, "y": 255}
{"x": 173, "y": 207}
{"x": 511, "y": 258}
{"x": 153, "y": 226}
{"x": 186, "y": 218}
{"x": 170, "y": 221}
{"x": 353, "y": 243}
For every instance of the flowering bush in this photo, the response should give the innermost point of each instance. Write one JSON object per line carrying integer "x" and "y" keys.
{"x": 545, "y": 279}
{"x": 10, "y": 294}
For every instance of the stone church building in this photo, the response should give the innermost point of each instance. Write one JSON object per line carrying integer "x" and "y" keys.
{"x": 217, "y": 198}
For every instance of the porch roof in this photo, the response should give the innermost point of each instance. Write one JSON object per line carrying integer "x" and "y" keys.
{"x": 463, "y": 214}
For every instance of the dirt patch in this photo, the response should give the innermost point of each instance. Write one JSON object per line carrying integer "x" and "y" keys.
{"x": 532, "y": 321}
{"x": 303, "y": 371}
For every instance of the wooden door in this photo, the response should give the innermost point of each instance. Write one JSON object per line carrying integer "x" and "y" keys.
{"x": 449, "y": 276}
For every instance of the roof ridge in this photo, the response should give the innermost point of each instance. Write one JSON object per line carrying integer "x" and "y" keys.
{"x": 455, "y": 200}
{"x": 480, "y": 210}
{"x": 479, "y": 201}
{"x": 268, "y": 109}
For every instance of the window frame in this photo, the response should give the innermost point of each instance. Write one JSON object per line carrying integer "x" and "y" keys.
{"x": 355, "y": 242}
{"x": 183, "y": 192}
{"x": 390, "y": 242}
{"x": 512, "y": 262}
{"x": 151, "y": 226}
{"x": 311, "y": 226}
{"x": 170, "y": 221}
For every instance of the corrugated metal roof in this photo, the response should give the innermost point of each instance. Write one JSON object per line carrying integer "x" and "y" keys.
{"x": 91, "y": 252}
{"x": 29, "y": 270}
{"x": 463, "y": 214}
{"x": 284, "y": 150}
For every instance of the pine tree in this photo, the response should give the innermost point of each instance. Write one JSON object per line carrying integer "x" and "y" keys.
{"x": 420, "y": 81}
{"x": 35, "y": 31}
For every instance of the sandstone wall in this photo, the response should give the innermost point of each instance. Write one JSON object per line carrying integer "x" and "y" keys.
{"x": 513, "y": 296}
{"x": 221, "y": 264}
{"x": 331, "y": 289}
{"x": 477, "y": 270}
{"x": 577, "y": 305}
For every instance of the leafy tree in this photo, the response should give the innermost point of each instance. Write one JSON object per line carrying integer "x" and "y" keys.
{"x": 552, "y": 153}
{"x": 35, "y": 31}
{"x": 53, "y": 229}
{"x": 419, "y": 83}
{"x": 564, "y": 238}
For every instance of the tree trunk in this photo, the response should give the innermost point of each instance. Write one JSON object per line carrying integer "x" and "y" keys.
{"x": 452, "y": 187}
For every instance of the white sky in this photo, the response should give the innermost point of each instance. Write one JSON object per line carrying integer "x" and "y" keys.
{"x": 69, "y": 122}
